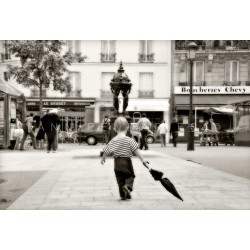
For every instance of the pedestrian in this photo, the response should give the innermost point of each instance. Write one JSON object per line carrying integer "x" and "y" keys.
{"x": 106, "y": 129}
{"x": 40, "y": 137}
{"x": 144, "y": 125}
{"x": 214, "y": 129}
{"x": 28, "y": 130}
{"x": 122, "y": 147}
{"x": 162, "y": 130}
{"x": 50, "y": 123}
{"x": 205, "y": 127}
{"x": 174, "y": 129}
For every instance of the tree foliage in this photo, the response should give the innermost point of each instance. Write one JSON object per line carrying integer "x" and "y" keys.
{"x": 42, "y": 63}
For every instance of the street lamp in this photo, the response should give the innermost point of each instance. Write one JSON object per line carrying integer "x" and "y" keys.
{"x": 191, "y": 54}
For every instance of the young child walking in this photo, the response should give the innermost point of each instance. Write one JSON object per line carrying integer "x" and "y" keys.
{"x": 122, "y": 147}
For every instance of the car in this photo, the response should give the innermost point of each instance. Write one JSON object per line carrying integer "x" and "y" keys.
{"x": 92, "y": 133}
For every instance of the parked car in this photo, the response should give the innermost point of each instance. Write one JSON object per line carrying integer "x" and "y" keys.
{"x": 92, "y": 133}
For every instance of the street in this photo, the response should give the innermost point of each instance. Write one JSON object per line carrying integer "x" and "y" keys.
{"x": 73, "y": 178}
{"x": 233, "y": 160}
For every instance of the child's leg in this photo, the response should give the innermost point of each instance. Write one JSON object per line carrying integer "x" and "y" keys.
{"x": 129, "y": 183}
{"x": 121, "y": 182}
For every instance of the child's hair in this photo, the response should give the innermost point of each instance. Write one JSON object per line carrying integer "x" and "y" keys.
{"x": 121, "y": 124}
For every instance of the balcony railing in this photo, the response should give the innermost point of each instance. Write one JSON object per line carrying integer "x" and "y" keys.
{"x": 74, "y": 93}
{"x": 146, "y": 58}
{"x": 5, "y": 56}
{"x": 146, "y": 93}
{"x": 194, "y": 84}
{"x": 108, "y": 57}
{"x": 217, "y": 83}
{"x": 215, "y": 44}
{"x": 106, "y": 93}
{"x": 36, "y": 93}
{"x": 226, "y": 83}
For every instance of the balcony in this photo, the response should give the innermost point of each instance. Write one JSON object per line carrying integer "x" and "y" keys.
{"x": 146, "y": 58}
{"x": 108, "y": 57}
{"x": 5, "y": 56}
{"x": 226, "y": 83}
{"x": 194, "y": 84}
{"x": 146, "y": 93}
{"x": 36, "y": 93}
{"x": 105, "y": 93}
{"x": 73, "y": 93}
{"x": 217, "y": 45}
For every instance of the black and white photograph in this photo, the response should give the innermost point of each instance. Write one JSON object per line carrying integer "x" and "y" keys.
{"x": 112, "y": 131}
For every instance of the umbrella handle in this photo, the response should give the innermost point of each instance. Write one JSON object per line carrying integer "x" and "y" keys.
{"x": 145, "y": 164}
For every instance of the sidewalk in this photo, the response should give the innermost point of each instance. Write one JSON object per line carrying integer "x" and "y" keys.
{"x": 75, "y": 179}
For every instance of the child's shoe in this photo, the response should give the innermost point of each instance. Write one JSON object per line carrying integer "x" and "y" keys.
{"x": 126, "y": 192}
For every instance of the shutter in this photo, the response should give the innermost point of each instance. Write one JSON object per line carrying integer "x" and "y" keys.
{"x": 77, "y": 46}
{"x": 146, "y": 81}
{"x": 227, "y": 69}
{"x": 149, "y": 47}
{"x": 234, "y": 71}
{"x": 105, "y": 47}
{"x": 112, "y": 48}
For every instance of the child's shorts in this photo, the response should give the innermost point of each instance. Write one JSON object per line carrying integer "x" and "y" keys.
{"x": 124, "y": 167}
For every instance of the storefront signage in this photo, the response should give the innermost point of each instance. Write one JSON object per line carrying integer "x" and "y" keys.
{"x": 55, "y": 103}
{"x": 213, "y": 90}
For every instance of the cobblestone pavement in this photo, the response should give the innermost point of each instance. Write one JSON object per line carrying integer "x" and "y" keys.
{"x": 75, "y": 179}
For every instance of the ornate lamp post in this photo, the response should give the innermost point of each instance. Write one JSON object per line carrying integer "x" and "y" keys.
{"x": 191, "y": 48}
{"x": 120, "y": 86}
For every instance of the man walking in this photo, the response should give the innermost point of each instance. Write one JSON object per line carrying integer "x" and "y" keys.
{"x": 28, "y": 130}
{"x": 174, "y": 129}
{"x": 162, "y": 130}
{"x": 106, "y": 129}
{"x": 144, "y": 125}
{"x": 50, "y": 122}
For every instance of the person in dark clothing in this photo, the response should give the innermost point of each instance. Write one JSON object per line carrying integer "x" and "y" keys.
{"x": 50, "y": 122}
{"x": 174, "y": 129}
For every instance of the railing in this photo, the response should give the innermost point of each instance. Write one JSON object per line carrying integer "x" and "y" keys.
{"x": 74, "y": 93}
{"x": 5, "y": 56}
{"x": 106, "y": 93}
{"x": 36, "y": 93}
{"x": 194, "y": 84}
{"x": 215, "y": 44}
{"x": 217, "y": 83}
{"x": 146, "y": 93}
{"x": 108, "y": 57}
{"x": 146, "y": 57}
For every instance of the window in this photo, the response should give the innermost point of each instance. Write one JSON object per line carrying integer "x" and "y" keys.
{"x": 146, "y": 85}
{"x": 231, "y": 71}
{"x": 5, "y": 55}
{"x": 146, "y": 51}
{"x": 105, "y": 88}
{"x": 198, "y": 72}
{"x": 75, "y": 46}
{"x": 108, "y": 51}
{"x": 75, "y": 80}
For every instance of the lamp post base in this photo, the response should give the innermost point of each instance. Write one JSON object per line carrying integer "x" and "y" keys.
{"x": 190, "y": 144}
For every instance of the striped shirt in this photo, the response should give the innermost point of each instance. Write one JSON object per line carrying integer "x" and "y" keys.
{"x": 121, "y": 147}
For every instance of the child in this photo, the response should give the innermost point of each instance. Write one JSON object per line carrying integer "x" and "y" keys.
{"x": 122, "y": 148}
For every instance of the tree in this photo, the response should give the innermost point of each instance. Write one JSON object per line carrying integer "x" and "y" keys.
{"x": 42, "y": 64}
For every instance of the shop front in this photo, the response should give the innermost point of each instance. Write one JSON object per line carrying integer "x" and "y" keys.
{"x": 205, "y": 98}
{"x": 12, "y": 103}
{"x": 72, "y": 113}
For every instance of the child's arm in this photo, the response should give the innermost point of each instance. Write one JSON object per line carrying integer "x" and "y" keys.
{"x": 138, "y": 154}
{"x": 104, "y": 158}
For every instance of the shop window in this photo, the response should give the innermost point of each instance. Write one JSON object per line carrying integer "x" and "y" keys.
{"x": 232, "y": 71}
{"x": 146, "y": 51}
{"x": 108, "y": 52}
{"x": 105, "y": 88}
{"x": 75, "y": 80}
{"x": 198, "y": 73}
{"x": 146, "y": 85}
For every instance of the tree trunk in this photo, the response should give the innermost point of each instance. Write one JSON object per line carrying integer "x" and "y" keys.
{"x": 40, "y": 99}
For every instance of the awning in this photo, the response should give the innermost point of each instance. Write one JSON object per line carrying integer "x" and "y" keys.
{"x": 148, "y": 105}
{"x": 8, "y": 89}
{"x": 227, "y": 110}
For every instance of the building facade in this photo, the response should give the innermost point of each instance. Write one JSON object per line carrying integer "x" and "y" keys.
{"x": 221, "y": 76}
{"x": 147, "y": 64}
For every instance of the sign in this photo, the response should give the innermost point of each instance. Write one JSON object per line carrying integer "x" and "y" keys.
{"x": 181, "y": 132}
{"x": 59, "y": 103}
{"x": 213, "y": 90}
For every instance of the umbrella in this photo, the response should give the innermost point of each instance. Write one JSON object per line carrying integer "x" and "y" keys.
{"x": 157, "y": 175}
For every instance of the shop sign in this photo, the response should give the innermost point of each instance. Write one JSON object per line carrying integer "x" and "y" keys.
{"x": 213, "y": 90}
{"x": 58, "y": 103}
